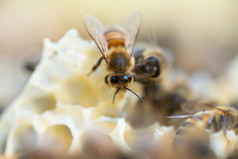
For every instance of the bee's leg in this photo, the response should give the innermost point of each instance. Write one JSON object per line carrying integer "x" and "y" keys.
{"x": 223, "y": 124}
{"x": 224, "y": 128}
{"x": 95, "y": 66}
{"x": 212, "y": 124}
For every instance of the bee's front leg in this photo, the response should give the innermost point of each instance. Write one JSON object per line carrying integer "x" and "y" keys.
{"x": 96, "y": 66}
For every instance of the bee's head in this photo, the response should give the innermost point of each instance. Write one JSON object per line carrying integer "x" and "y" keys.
{"x": 119, "y": 81}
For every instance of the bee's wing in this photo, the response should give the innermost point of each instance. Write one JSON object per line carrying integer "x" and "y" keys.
{"x": 132, "y": 27}
{"x": 96, "y": 30}
{"x": 195, "y": 106}
{"x": 178, "y": 116}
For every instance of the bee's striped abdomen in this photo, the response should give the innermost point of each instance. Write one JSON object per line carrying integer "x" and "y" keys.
{"x": 114, "y": 37}
{"x": 197, "y": 122}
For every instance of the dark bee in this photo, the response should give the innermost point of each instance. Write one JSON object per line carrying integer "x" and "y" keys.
{"x": 149, "y": 64}
{"x": 149, "y": 69}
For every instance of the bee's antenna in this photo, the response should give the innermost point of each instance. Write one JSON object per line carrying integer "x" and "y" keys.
{"x": 152, "y": 39}
{"x": 134, "y": 93}
{"x": 115, "y": 95}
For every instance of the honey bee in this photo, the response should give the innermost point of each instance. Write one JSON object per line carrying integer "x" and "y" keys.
{"x": 116, "y": 45}
{"x": 210, "y": 119}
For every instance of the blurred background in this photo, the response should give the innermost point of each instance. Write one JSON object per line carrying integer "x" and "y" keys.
{"x": 202, "y": 35}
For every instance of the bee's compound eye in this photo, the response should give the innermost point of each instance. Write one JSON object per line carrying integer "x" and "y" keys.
{"x": 127, "y": 77}
{"x": 114, "y": 79}
{"x": 155, "y": 64}
{"x": 106, "y": 79}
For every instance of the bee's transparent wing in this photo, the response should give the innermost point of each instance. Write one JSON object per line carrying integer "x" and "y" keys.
{"x": 178, "y": 116}
{"x": 132, "y": 27}
{"x": 195, "y": 106}
{"x": 96, "y": 30}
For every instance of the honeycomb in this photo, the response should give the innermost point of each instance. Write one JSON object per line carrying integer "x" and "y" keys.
{"x": 62, "y": 111}
{"x": 60, "y": 103}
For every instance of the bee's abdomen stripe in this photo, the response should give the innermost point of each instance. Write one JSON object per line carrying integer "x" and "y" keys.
{"x": 113, "y": 30}
{"x": 114, "y": 36}
{"x": 211, "y": 122}
{"x": 187, "y": 124}
{"x": 197, "y": 117}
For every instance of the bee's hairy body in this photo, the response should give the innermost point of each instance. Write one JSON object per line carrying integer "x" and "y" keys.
{"x": 116, "y": 46}
{"x": 192, "y": 137}
{"x": 220, "y": 118}
{"x": 119, "y": 61}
